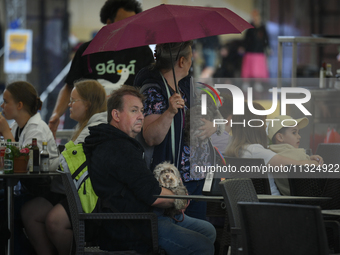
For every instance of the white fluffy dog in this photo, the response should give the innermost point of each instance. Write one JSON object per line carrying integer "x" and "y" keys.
{"x": 168, "y": 177}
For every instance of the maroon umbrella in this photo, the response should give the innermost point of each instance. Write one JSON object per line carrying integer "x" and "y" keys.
{"x": 165, "y": 24}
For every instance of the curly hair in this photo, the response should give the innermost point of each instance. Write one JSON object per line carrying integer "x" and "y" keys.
{"x": 110, "y": 8}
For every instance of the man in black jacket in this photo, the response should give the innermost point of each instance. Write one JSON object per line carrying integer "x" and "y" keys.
{"x": 120, "y": 177}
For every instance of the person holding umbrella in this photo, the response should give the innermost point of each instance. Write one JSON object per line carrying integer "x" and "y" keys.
{"x": 165, "y": 107}
{"x": 166, "y": 103}
{"x": 107, "y": 65}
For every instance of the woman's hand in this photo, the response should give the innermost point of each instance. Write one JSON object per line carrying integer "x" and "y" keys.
{"x": 317, "y": 158}
{"x": 207, "y": 129}
{"x": 4, "y": 127}
{"x": 175, "y": 102}
{"x": 156, "y": 126}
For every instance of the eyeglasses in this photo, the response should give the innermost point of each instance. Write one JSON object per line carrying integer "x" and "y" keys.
{"x": 74, "y": 100}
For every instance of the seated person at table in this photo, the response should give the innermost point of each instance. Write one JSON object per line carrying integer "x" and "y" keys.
{"x": 21, "y": 103}
{"x": 285, "y": 142}
{"x": 120, "y": 177}
{"x": 47, "y": 221}
{"x": 251, "y": 142}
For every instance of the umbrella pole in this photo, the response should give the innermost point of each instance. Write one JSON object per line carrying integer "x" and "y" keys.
{"x": 173, "y": 69}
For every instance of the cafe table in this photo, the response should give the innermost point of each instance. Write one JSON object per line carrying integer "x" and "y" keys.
{"x": 334, "y": 212}
{"x": 10, "y": 180}
{"x": 262, "y": 198}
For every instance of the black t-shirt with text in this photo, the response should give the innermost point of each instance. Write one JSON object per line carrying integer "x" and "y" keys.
{"x": 104, "y": 65}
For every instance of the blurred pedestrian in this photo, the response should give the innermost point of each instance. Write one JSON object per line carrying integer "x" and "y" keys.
{"x": 231, "y": 55}
{"x": 210, "y": 47}
{"x": 256, "y": 43}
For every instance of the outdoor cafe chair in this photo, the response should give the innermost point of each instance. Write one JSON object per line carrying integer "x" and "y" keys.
{"x": 217, "y": 211}
{"x": 330, "y": 152}
{"x": 261, "y": 185}
{"x": 281, "y": 229}
{"x": 309, "y": 187}
{"x": 78, "y": 219}
{"x": 317, "y": 187}
{"x": 234, "y": 191}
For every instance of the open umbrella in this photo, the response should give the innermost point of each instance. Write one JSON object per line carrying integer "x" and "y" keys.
{"x": 166, "y": 24}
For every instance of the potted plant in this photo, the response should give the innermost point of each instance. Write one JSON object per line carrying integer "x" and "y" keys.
{"x": 21, "y": 158}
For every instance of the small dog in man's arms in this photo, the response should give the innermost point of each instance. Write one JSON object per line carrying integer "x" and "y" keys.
{"x": 169, "y": 177}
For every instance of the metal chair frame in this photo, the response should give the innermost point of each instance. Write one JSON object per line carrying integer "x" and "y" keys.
{"x": 78, "y": 219}
{"x": 234, "y": 191}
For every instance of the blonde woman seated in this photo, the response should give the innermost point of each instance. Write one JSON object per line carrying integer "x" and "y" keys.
{"x": 47, "y": 222}
{"x": 251, "y": 142}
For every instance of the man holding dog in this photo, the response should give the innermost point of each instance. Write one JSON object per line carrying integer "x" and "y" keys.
{"x": 120, "y": 176}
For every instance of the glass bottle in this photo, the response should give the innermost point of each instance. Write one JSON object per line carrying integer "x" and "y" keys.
{"x": 2, "y": 154}
{"x": 337, "y": 80}
{"x": 44, "y": 159}
{"x": 322, "y": 80}
{"x": 8, "y": 159}
{"x": 34, "y": 157}
{"x": 329, "y": 76}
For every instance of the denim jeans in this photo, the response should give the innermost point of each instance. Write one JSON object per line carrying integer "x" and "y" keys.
{"x": 191, "y": 236}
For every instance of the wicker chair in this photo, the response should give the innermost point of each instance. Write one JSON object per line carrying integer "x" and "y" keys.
{"x": 284, "y": 229}
{"x": 234, "y": 191}
{"x": 261, "y": 185}
{"x": 317, "y": 188}
{"x": 218, "y": 210}
{"x": 321, "y": 188}
{"x": 329, "y": 152}
{"x": 309, "y": 187}
{"x": 78, "y": 218}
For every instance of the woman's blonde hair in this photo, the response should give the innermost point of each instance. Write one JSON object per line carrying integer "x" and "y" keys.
{"x": 243, "y": 135}
{"x": 94, "y": 96}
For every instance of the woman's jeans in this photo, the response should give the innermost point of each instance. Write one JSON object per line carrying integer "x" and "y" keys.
{"x": 191, "y": 236}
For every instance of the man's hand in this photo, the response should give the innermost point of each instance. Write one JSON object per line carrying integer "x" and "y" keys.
{"x": 54, "y": 123}
{"x": 164, "y": 202}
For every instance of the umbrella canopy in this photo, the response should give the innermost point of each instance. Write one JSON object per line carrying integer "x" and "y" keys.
{"x": 166, "y": 24}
